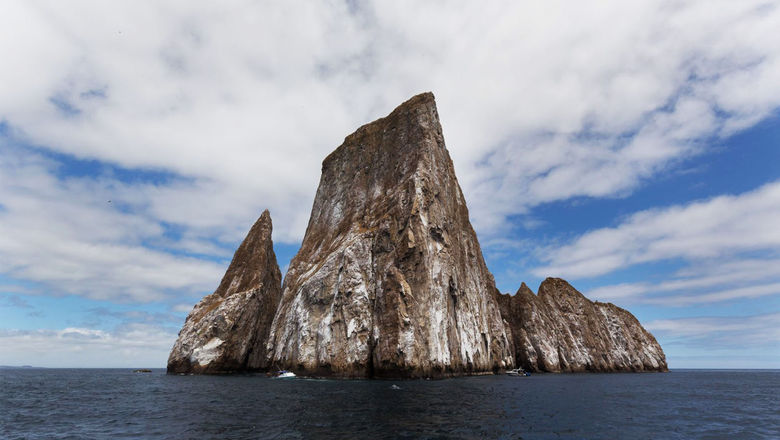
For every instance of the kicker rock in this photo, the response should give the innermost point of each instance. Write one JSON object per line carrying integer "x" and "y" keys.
{"x": 390, "y": 279}
{"x": 562, "y": 331}
{"x": 227, "y": 330}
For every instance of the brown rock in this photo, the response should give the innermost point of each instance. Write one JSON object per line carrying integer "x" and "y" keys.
{"x": 227, "y": 330}
{"x": 562, "y": 331}
{"x": 390, "y": 282}
{"x": 390, "y": 279}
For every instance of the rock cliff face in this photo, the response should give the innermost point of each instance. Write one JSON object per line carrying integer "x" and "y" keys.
{"x": 390, "y": 279}
{"x": 562, "y": 331}
{"x": 227, "y": 331}
{"x": 390, "y": 282}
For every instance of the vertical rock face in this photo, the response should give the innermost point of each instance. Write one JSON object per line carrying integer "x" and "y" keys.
{"x": 561, "y": 330}
{"x": 227, "y": 330}
{"x": 390, "y": 282}
{"x": 390, "y": 279}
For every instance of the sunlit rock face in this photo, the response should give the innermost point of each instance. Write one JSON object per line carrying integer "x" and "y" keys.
{"x": 560, "y": 330}
{"x": 390, "y": 279}
{"x": 227, "y": 331}
{"x": 390, "y": 282}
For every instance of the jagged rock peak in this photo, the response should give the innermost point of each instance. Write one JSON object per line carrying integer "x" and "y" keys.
{"x": 524, "y": 290}
{"x": 556, "y": 286}
{"x": 561, "y": 330}
{"x": 227, "y": 330}
{"x": 245, "y": 270}
{"x": 390, "y": 279}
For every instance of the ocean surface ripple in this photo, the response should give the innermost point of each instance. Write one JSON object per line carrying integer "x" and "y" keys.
{"x": 117, "y": 403}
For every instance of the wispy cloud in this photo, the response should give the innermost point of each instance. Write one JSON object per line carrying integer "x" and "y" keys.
{"x": 720, "y": 332}
{"x": 722, "y": 226}
{"x": 15, "y": 302}
{"x": 703, "y": 282}
{"x": 64, "y": 235}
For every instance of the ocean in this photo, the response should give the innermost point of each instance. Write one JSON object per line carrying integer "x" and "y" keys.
{"x": 119, "y": 404}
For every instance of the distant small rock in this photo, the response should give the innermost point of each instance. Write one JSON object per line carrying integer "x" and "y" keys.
{"x": 142, "y": 370}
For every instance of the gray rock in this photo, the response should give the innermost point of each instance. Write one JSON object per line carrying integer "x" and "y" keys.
{"x": 227, "y": 330}
{"x": 390, "y": 279}
{"x": 562, "y": 331}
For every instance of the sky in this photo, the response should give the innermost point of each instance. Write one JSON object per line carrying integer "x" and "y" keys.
{"x": 632, "y": 148}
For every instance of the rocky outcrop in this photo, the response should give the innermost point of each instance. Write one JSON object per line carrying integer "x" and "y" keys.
{"x": 562, "y": 331}
{"x": 390, "y": 279}
{"x": 390, "y": 282}
{"x": 227, "y": 330}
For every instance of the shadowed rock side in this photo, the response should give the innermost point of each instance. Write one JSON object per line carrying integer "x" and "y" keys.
{"x": 227, "y": 331}
{"x": 390, "y": 279}
{"x": 562, "y": 331}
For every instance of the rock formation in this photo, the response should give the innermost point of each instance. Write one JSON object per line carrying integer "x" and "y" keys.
{"x": 390, "y": 282}
{"x": 227, "y": 331}
{"x": 562, "y": 331}
{"x": 390, "y": 279}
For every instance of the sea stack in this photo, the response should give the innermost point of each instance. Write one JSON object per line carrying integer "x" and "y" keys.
{"x": 390, "y": 282}
{"x": 227, "y": 330}
{"x": 560, "y": 330}
{"x": 390, "y": 279}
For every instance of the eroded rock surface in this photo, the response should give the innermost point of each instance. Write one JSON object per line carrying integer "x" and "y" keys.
{"x": 560, "y": 330}
{"x": 227, "y": 330}
{"x": 390, "y": 279}
{"x": 390, "y": 282}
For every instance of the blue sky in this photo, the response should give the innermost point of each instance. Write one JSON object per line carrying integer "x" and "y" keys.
{"x": 629, "y": 148}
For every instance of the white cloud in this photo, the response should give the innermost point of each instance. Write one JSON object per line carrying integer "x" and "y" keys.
{"x": 65, "y": 235}
{"x": 721, "y": 331}
{"x": 703, "y": 282}
{"x": 720, "y": 227}
{"x": 247, "y": 98}
{"x": 128, "y": 346}
{"x": 726, "y": 248}
{"x": 540, "y": 101}
{"x": 720, "y": 341}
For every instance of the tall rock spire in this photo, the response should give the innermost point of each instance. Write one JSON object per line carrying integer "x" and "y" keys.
{"x": 227, "y": 330}
{"x": 390, "y": 279}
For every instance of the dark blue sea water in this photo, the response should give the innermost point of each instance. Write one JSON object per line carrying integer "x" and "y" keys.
{"x": 110, "y": 404}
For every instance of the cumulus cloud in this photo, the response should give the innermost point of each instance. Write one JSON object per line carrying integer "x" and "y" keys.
{"x": 247, "y": 98}
{"x": 240, "y": 101}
